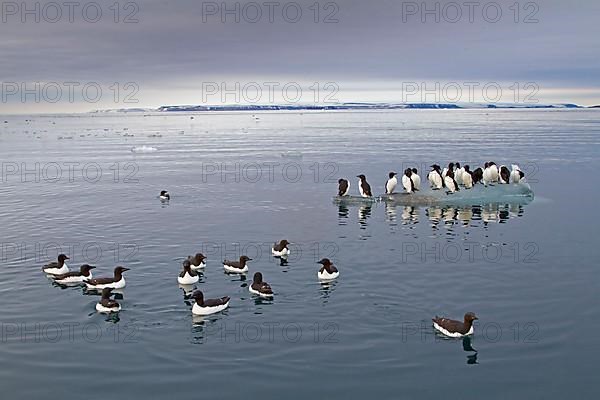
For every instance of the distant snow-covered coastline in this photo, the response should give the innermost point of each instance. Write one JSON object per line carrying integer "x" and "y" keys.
{"x": 343, "y": 106}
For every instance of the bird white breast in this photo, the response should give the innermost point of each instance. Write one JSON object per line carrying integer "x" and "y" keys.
{"x": 199, "y": 266}
{"x": 57, "y": 271}
{"x": 494, "y": 173}
{"x": 435, "y": 180}
{"x": 444, "y": 172}
{"x": 266, "y": 295}
{"x": 229, "y": 268}
{"x": 452, "y": 334}
{"x": 102, "y": 309}
{"x": 458, "y": 175}
{"x": 326, "y": 276}
{"x": 450, "y": 184}
{"x": 515, "y": 177}
{"x": 360, "y": 189}
{"x": 199, "y": 310}
{"x": 115, "y": 285}
{"x": 391, "y": 185}
{"x": 281, "y": 253}
{"x": 486, "y": 176}
{"x": 467, "y": 180}
{"x": 416, "y": 181}
{"x": 187, "y": 279}
{"x": 406, "y": 183}
{"x": 74, "y": 279}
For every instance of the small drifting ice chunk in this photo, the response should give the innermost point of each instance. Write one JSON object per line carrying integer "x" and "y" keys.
{"x": 143, "y": 149}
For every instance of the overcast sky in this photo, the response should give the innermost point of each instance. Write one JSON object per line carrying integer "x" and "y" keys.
{"x": 181, "y": 51}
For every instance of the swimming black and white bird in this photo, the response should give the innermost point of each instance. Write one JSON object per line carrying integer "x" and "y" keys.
{"x": 197, "y": 261}
{"x": 467, "y": 177}
{"x": 208, "y": 306}
{"x": 280, "y": 249}
{"x": 516, "y": 174}
{"x": 363, "y": 187}
{"x": 477, "y": 175}
{"x": 435, "y": 177}
{"x": 328, "y": 271}
{"x": 188, "y": 276}
{"x": 451, "y": 184}
{"x": 116, "y": 282}
{"x": 391, "y": 183}
{"x": 343, "y": 187}
{"x": 407, "y": 182}
{"x": 452, "y": 328}
{"x": 106, "y": 304}
{"x": 237, "y": 267}
{"x": 504, "y": 174}
{"x": 164, "y": 195}
{"x": 83, "y": 274}
{"x": 57, "y": 267}
{"x": 416, "y": 179}
{"x": 260, "y": 287}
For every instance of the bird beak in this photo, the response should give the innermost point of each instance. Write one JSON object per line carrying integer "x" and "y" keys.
{"x": 91, "y": 267}
{"x": 67, "y": 258}
{"x": 125, "y": 269}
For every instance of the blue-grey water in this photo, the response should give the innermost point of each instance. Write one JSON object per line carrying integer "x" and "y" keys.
{"x": 72, "y": 184}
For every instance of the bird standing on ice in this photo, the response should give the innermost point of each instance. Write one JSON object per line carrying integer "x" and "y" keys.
{"x": 391, "y": 183}
{"x": 343, "y": 187}
{"x": 450, "y": 182}
{"x": 363, "y": 187}
{"x": 416, "y": 179}
{"x": 504, "y": 174}
{"x": 458, "y": 174}
{"x": 516, "y": 174}
{"x": 435, "y": 177}
{"x": 407, "y": 182}
{"x": 467, "y": 178}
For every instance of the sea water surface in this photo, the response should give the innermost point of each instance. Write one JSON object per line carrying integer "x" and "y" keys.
{"x": 240, "y": 181}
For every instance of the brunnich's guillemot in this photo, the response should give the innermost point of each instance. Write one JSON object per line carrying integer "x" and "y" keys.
{"x": 504, "y": 174}
{"x": 237, "y": 267}
{"x": 280, "y": 249}
{"x": 450, "y": 167}
{"x": 407, "y": 182}
{"x": 435, "y": 177}
{"x": 116, "y": 282}
{"x": 458, "y": 173}
{"x": 416, "y": 179}
{"x": 106, "y": 304}
{"x": 452, "y": 328}
{"x": 363, "y": 187}
{"x": 57, "y": 268}
{"x": 477, "y": 175}
{"x": 516, "y": 174}
{"x": 83, "y": 274}
{"x": 467, "y": 178}
{"x": 391, "y": 183}
{"x": 451, "y": 184}
{"x": 164, "y": 196}
{"x": 490, "y": 173}
{"x": 187, "y": 276}
{"x": 208, "y": 306}
{"x": 343, "y": 187}
{"x": 328, "y": 271}
{"x": 260, "y": 287}
{"x": 197, "y": 261}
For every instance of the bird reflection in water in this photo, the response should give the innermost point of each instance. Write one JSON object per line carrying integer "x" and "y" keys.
{"x": 390, "y": 213}
{"x": 343, "y": 213}
{"x": 364, "y": 212}
{"x": 410, "y": 215}
{"x": 467, "y": 344}
{"x": 327, "y": 287}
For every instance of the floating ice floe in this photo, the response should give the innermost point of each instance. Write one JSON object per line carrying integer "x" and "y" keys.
{"x": 143, "y": 149}
{"x": 500, "y": 193}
